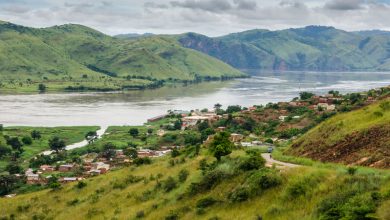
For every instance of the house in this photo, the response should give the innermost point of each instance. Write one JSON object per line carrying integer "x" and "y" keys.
{"x": 145, "y": 153}
{"x": 70, "y": 179}
{"x": 296, "y": 117}
{"x": 326, "y": 107}
{"x": 32, "y": 178}
{"x": 100, "y": 166}
{"x": 66, "y": 167}
{"x": 157, "y": 118}
{"x": 94, "y": 172}
{"x": 253, "y": 108}
{"x": 219, "y": 129}
{"x": 193, "y": 120}
{"x": 236, "y": 137}
{"x": 282, "y": 117}
{"x": 46, "y": 168}
{"x": 246, "y": 144}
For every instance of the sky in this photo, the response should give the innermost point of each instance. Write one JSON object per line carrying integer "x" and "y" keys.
{"x": 209, "y": 17}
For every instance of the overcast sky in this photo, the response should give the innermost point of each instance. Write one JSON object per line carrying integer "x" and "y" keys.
{"x": 210, "y": 17}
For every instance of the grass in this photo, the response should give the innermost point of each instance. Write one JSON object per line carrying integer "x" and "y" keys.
{"x": 77, "y": 56}
{"x": 69, "y": 134}
{"x": 114, "y": 196}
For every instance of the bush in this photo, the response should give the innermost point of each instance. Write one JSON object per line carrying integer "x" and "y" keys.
{"x": 81, "y": 184}
{"x": 240, "y": 194}
{"x": 211, "y": 179}
{"x": 140, "y": 161}
{"x": 27, "y": 140}
{"x": 183, "y": 174}
{"x": 140, "y": 214}
{"x": 351, "y": 170}
{"x": 169, "y": 184}
{"x": 252, "y": 163}
{"x": 172, "y": 216}
{"x": 263, "y": 179}
{"x": 205, "y": 202}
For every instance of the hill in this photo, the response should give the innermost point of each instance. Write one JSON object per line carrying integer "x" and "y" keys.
{"x": 360, "y": 137}
{"x": 223, "y": 190}
{"x": 315, "y": 48}
{"x": 75, "y": 53}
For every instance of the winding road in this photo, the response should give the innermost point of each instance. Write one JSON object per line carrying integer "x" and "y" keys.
{"x": 279, "y": 164}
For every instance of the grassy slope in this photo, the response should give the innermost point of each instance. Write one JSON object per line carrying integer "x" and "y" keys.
{"x": 69, "y": 134}
{"x": 361, "y": 136}
{"x": 109, "y": 196}
{"x": 62, "y": 54}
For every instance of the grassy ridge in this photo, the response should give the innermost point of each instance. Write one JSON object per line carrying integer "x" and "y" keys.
{"x": 358, "y": 137}
{"x": 302, "y": 194}
{"x": 76, "y": 56}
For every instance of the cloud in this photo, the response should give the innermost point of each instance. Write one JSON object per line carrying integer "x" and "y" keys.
{"x": 245, "y": 5}
{"x": 344, "y": 5}
{"x": 205, "y": 5}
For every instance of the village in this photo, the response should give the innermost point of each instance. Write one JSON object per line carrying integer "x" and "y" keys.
{"x": 286, "y": 117}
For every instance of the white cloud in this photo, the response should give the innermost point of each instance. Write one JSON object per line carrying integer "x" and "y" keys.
{"x": 211, "y": 17}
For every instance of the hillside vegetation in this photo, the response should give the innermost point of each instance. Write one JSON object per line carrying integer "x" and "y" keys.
{"x": 311, "y": 48}
{"x": 76, "y": 56}
{"x": 214, "y": 190}
{"x": 360, "y": 137}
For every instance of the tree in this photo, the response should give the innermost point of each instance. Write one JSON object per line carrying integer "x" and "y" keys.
{"x": 221, "y": 145}
{"x": 7, "y": 183}
{"x": 57, "y": 144}
{"x": 36, "y": 134}
{"x": 27, "y": 140}
{"x": 4, "y": 150}
{"x": 217, "y": 106}
{"x": 177, "y": 124}
{"x": 42, "y": 87}
{"x": 1, "y": 127}
{"x": 305, "y": 95}
{"x": 91, "y": 136}
{"x": 131, "y": 152}
{"x": 150, "y": 131}
{"x": 183, "y": 174}
{"x": 15, "y": 143}
{"x": 109, "y": 150}
{"x": 14, "y": 168}
{"x": 134, "y": 132}
{"x": 233, "y": 108}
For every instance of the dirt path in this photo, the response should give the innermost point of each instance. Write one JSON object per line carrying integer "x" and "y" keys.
{"x": 83, "y": 143}
{"x": 279, "y": 164}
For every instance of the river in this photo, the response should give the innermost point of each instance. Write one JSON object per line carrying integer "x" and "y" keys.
{"x": 135, "y": 107}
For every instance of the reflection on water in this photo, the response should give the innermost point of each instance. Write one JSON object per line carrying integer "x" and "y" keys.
{"x": 134, "y": 107}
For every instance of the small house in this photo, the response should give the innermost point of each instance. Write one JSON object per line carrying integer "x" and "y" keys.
{"x": 66, "y": 167}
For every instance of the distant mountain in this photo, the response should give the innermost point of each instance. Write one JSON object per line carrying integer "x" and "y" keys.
{"x": 68, "y": 52}
{"x": 133, "y": 35}
{"x": 316, "y": 48}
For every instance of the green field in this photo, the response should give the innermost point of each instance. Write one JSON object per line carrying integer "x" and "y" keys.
{"x": 69, "y": 134}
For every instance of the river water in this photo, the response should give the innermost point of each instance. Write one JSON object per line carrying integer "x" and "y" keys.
{"x": 135, "y": 107}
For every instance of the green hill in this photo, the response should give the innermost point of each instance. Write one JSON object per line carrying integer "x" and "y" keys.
{"x": 311, "y": 48}
{"x": 224, "y": 190}
{"x": 360, "y": 137}
{"x": 75, "y": 53}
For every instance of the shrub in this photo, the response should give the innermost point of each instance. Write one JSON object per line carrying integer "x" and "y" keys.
{"x": 205, "y": 202}
{"x": 169, "y": 184}
{"x": 140, "y": 161}
{"x": 81, "y": 184}
{"x": 240, "y": 194}
{"x": 351, "y": 170}
{"x": 140, "y": 214}
{"x": 172, "y": 216}
{"x": 183, "y": 174}
{"x": 262, "y": 180}
{"x": 73, "y": 202}
{"x": 27, "y": 140}
{"x": 252, "y": 163}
